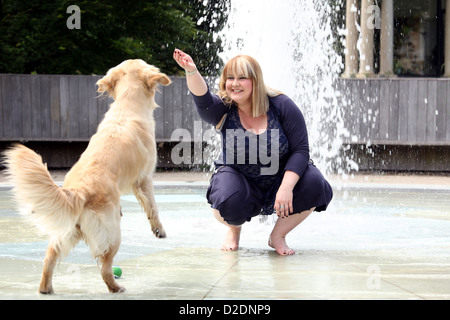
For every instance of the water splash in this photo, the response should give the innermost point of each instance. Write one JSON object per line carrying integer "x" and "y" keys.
{"x": 294, "y": 43}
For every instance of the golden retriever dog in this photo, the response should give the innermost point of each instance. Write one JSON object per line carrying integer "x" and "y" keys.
{"x": 120, "y": 157}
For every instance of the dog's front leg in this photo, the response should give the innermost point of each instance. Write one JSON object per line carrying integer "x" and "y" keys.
{"x": 143, "y": 190}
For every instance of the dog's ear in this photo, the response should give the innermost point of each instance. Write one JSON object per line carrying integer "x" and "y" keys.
{"x": 163, "y": 79}
{"x": 109, "y": 82}
{"x": 152, "y": 79}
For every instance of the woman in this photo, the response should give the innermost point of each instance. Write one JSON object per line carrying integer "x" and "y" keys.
{"x": 241, "y": 189}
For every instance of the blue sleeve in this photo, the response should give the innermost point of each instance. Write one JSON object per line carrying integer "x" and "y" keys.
{"x": 294, "y": 126}
{"x": 210, "y": 107}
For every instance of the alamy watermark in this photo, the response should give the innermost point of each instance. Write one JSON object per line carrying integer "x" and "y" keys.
{"x": 374, "y": 20}
{"x": 236, "y": 150}
{"x": 74, "y": 20}
{"x": 373, "y": 281}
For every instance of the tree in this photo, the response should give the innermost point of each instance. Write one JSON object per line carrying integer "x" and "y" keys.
{"x": 34, "y": 37}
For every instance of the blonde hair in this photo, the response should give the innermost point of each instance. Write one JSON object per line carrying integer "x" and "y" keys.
{"x": 246, "y": 66}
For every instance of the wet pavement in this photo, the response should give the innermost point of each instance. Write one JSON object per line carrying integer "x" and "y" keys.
{"x": 383, "y": 237}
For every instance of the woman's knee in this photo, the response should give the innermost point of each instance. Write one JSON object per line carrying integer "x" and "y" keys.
{"x": 232, "y": 196}
{"x": 234, "y": 210}
{"x": 219, "y": 218}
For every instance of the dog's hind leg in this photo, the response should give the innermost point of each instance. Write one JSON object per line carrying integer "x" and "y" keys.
{"x": 56, "y": 250}
{"x": 143, "y": 190}
{"x": 51, "y": 257}
{"x": 107, "y": 272}
{"x": 101, "y": 231}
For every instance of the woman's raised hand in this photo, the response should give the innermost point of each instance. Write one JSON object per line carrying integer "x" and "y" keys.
{"x": 184, "y": 60}
{"x": 195, "y": 81}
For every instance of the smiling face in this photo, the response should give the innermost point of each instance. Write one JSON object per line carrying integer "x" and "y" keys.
{"x": 242, "y": 83}
{"x": 239, "y": 88}
{"x": 237, "y": 81}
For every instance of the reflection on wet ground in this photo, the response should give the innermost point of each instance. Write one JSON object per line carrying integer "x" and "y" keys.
{"x": 379, "y": 243}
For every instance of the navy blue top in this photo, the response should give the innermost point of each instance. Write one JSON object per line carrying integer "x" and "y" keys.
{"x": 286, "y": 136}
{"x": 261, "y": 158}
{"x": 283, "y": 115}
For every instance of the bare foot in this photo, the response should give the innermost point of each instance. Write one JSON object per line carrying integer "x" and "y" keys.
{"x": 282, "y": 228}
{"x": 280, "y": 246}
{"x": 231, "y": 242}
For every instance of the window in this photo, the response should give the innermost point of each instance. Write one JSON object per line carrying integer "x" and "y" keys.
{"x": 419, "y": 38}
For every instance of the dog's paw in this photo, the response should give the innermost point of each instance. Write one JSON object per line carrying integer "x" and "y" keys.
{"x": 117, "y": 289}
{"x": 51, "y": 292}
{"x": 159, "y": 232}
{"x": 46, "y": 290}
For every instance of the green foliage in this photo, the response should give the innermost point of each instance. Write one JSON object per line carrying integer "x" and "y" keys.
{"x": 34, "y": 37}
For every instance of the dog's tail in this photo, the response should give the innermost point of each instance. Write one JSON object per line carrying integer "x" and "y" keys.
{"x": 53, "y": 210}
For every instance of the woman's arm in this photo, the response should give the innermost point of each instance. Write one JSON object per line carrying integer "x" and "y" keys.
{"x": 210, "y": 107}
{"x": 195, "y": 81}
{"x": 284, "y": 197}
{"x": 295, "y": 128}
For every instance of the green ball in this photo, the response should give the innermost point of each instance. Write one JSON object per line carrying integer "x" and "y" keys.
{"x": 117, "y": 272}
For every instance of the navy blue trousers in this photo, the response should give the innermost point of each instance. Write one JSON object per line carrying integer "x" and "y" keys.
{"x": 239, "y": 200}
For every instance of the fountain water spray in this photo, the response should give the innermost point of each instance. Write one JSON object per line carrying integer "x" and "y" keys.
{"x": 294, "y": 42}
